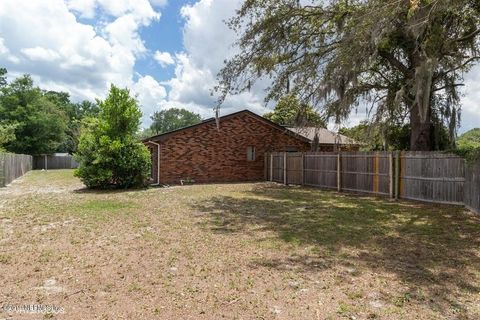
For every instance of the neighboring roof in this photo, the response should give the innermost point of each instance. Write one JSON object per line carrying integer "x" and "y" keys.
{"x": 324, "y": 136}
{"x": 212, "y": 120}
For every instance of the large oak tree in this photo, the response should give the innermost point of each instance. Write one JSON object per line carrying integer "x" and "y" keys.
{"x": 403, "y": 59}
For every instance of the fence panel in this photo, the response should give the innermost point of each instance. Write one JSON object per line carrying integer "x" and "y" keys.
{"x": 320, "y": 169}
{"x": 472, "y": 186}
{"x": 294, "y": 168}
{"x": 432, "y": 177}
{"x": 52, "y": 162}
{"x": 277, "y": 167}
{"x": 366, "y": 172}
{"x": 425, "y": 176}
{"x": 13, "y": 166}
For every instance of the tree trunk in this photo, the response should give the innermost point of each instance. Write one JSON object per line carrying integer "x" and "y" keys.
{"x": 422, "y": 134}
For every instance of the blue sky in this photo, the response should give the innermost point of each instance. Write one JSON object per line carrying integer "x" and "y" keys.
{"x": 164, "y": 35}
{"x": 167, "y": 52}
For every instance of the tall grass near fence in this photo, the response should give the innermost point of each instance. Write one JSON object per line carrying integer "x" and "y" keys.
{"x": 425, "y": 176}
{"x": 13, "y": 166}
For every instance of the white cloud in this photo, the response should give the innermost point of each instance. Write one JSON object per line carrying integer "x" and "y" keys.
{"x": 141, "y": 9}
{"x": 3, "y": 50}
{"x": 5, "y": 53}
{"x": 163, "y": 58}
{"x": 470, "y": 117}
{"x": 45, "y": 39}
{"x": 159, "y": 3}
{"x": 207, "y": 42}
{"x": 86, "y": 8}
{"x": 40, "y": 54}
{"x": 123, "y": 34}
{"x": 151, "y": 96}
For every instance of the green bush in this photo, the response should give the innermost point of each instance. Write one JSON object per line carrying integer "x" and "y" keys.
{"x": 108, "y": 153}
{"x": 468, "y": 145}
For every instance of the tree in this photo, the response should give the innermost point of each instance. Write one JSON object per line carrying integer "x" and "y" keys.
{"x": 3, "y": 77}
{"x": 379, "y": 137}
{"x": 468, "y": 144}
{"x": 290, "y": 112}
{"x": 145, "y": 133}
{"x": 75, "y": 112}
{"x": 404, "y": 59}
{"x": 7, "y": 134}
{"x": 172, "y": 119}
{"x": 40, "y": 124}
{"x": 108, "y": 153}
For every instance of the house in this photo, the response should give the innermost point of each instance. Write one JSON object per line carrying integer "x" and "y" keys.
{"x": 328, "y": 141}
{"x": 230, "y": 152}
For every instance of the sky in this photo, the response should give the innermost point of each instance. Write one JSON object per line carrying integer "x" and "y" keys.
{"x": 167, "y": 52}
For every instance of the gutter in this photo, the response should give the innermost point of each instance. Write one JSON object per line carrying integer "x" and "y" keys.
{"x": 158, "y": 162}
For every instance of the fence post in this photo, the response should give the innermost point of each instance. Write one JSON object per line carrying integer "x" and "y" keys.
{"x": 2, "y": 170}
{"x": 265, "y": 167}
{"x": 285, "y": 168}
{"x": 339, "y": 173}
{"x": 271, "y": 166}
{"x": 376, "y": 168}
{"x": 303, "y": 169}
{"x": 397, "y": 174}
{"x": 390, "y": 174}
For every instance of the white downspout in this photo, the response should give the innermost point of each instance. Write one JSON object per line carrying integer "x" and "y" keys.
{"x": 158, "y": 162}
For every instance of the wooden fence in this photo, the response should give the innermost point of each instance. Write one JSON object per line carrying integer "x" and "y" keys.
{"x": 472, "y": 186}
{"x": 425, "y": 176}
{"x": 13, "y": 166}
{"x": 51, "y": 162}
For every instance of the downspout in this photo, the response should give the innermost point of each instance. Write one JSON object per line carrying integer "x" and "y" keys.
{"x": 158, "y": 163}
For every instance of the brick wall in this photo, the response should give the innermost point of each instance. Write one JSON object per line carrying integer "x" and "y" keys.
{"x": 206, "y": 154}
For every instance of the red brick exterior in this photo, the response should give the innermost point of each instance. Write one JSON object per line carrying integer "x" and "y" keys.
{"x": 207, "y": 154}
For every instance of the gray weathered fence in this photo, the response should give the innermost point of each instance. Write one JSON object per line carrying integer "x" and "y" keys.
{"x": 432, "y": 176}
{"x": 51, "y": 162}
{"x": 13, "y": 166}
{"x": 425, "y": 176}
{"x": 472, "y": 186}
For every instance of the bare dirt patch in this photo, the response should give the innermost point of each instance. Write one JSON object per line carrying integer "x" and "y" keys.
{"x": 240, "y": 251}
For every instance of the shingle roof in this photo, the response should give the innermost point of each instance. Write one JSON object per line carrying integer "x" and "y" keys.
{"x": 324, "y": 136}
{"x": 212, "y": 120}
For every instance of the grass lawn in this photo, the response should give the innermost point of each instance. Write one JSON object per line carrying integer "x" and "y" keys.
{"x": 233, "y": 251}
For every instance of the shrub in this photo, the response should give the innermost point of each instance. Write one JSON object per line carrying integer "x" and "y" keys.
{"x": 468, "y": 145}
{"x": 108, "y": 153}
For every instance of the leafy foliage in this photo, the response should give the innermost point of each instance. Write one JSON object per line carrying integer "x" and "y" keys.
{"x": 7, "y": 133}
{"x": 109, "y": 154}
{"x": 39, "y": 121}
{"x": 468, "y": 144}
{"x": 392, "y": 136}
{"x": 379, "y": 137}
{"x": 3, "y": 77}
{"x": 40, "y": 124}
{"x": 402, "y": 59}
{"x": 172, "y": 119}
{"x": 290, "y": 112}
{"x": 75, "y": 112}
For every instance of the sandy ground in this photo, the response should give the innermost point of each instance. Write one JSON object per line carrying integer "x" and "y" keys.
{"x": 238, "y": 251}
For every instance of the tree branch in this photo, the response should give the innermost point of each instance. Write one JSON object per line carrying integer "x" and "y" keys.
{"x": 393, "y": 61}
{"x": 446, "y": 86}
{"x": 471, "y": 59}
{"x": 469, "y": 36}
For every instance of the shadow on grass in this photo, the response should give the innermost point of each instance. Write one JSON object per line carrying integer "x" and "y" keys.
{"x": 111, "y": 190}
{"x": 429, "y": 247}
